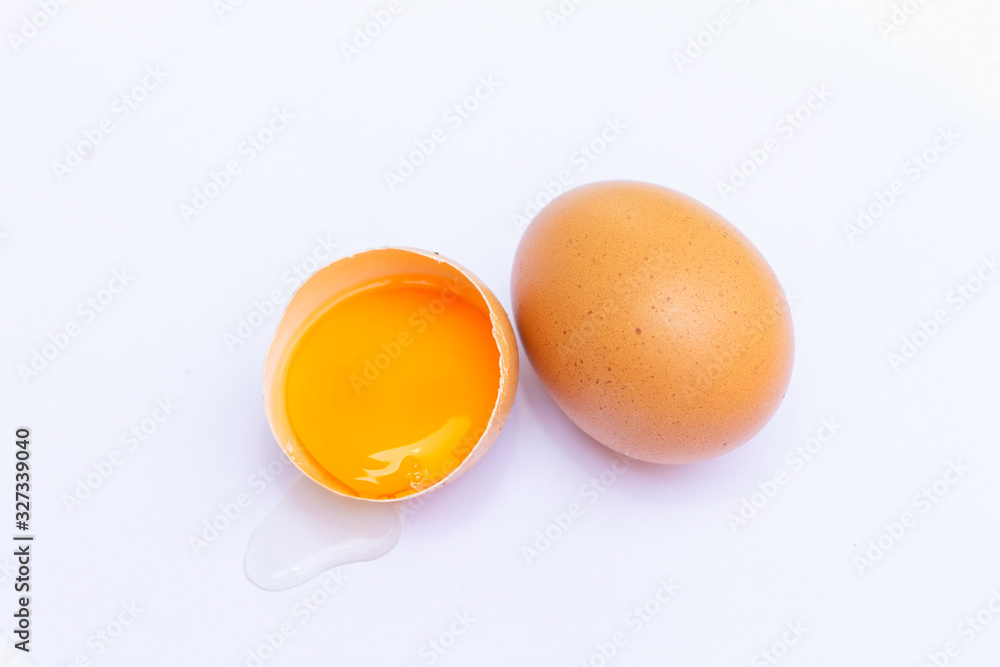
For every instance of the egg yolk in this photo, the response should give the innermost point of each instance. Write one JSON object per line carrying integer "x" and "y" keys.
{"x": 390, "y": 388}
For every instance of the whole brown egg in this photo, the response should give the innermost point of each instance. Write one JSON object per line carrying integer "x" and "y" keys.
{"x": 655, "y": 325}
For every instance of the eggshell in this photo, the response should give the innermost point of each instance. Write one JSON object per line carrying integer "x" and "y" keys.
{"x": 655, "y": 325}
{"x": 340, "y": 279}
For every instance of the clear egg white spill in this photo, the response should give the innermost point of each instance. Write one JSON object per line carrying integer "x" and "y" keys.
{"x": 312, "y": 530}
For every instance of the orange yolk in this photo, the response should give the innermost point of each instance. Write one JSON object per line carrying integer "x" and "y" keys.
{"x": 391, "y": 388}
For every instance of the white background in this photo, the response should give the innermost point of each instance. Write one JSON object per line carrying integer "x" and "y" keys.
{"x": 163, "y": 336}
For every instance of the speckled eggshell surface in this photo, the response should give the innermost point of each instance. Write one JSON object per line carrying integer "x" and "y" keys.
{"x": 656, "y": 326}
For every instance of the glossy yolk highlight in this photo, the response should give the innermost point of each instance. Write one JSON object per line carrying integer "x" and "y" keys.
{"x": 391, "y": 388}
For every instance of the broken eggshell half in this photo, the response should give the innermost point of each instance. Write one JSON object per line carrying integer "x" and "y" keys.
{"x": 344, "y": 278}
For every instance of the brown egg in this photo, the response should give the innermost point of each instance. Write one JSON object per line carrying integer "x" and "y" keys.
{"x": 656, "y": 326}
